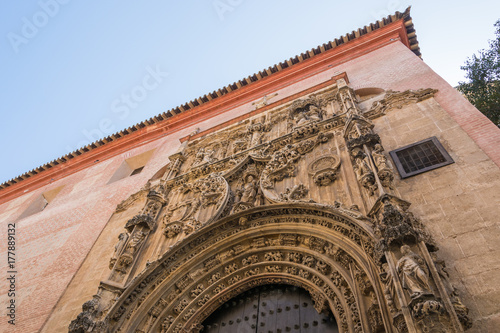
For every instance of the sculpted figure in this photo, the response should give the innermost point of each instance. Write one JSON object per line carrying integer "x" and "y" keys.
{"x": 304, "y": 116}
{"x": 389, "y": 292}
{"x": 379, "y": 157}
{"x": 257, "y": 138}
{"x": 361, "y": 167}
{"x": 364, "y": 173}
{"x": 249, "y": 190}
{"x": 348, "y": 102}
{"x": 127, "y": 257}
{"x": 135, "y": 241}
{"x": 413, "y": 273}
{"x": 204, "y": 156}
{"x": 384, "y": 170}
{"x": 208, "y": 157}
{"x": 122, "y": 239}
{"x": 314, "y": 113}
{"x": 301, "y": 119}
{"x": 256, "y": 134}
{"x": 199, "y": 156}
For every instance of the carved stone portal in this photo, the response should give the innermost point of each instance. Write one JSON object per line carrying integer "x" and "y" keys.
{"x": 271, "y": 201}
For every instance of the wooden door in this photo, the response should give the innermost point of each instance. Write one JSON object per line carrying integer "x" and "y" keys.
{"x": 270, "y": 309}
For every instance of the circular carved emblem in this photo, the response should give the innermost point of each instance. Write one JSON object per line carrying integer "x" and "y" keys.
{"x": 324, "y": 169}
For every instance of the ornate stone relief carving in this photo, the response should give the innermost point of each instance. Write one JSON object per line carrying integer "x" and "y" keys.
{"x": 196, "y": 204}
{"x": 315, "y": 264}
{"x": 394, "y": 224}
{"x": 324, "y": 169}
{"x": 306, "y": 111}
{"x": 250, "y": 223}
{"x": 397, "y": 99}
{"x": 256, "y": 133}
{"x": 122, "y": 240}
{"x": 87, "y": 319}
{"x": 128, "y": 255}
{"x": 204, "y": 156}
{"x": 283, "y": 164}
{"x": 247, "y": 195}
{"x": 375, "y": 316}
{"x": 297, "y": 193}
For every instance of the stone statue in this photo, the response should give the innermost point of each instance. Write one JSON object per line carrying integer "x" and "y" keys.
{"x": 257, "y": 138}
{"x": 413, "y": 273}
{"x": 135, "y": 241}
{"x": 249, "y": 190}
{"x": 379, "y": 158}
{"x": 314, "y": 114}
{"x": 204, "y": 156}
{"x": 362, "y": 167}
{"x": 310, "y": 115}
{"x": 122, "y": 239}
{"x": 208, "y": 156}
{"x": 301, "y": 119}
{"x": 385, "y": 173}
{"x": 389, "y": 292}
{"x": 199, "y": 157}
{"x": 347, "y": 100}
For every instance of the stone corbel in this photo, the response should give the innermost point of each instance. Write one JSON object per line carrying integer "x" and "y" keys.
{"x": 358, "y": 133}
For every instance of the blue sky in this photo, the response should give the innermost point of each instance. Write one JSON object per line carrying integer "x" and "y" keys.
{"x": 67, "y": 66}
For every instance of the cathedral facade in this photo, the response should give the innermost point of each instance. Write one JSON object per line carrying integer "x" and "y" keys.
{"x": 348, "y": 189}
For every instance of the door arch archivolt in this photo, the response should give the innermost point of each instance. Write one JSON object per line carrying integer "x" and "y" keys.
{"x": 313, "y": 246}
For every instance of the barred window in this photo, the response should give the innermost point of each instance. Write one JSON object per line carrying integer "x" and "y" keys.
{"x": 420, "y": 157}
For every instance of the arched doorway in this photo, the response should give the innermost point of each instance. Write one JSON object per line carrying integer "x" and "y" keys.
{"x": 270, "y": 308}
{"x": 314, "y": 247}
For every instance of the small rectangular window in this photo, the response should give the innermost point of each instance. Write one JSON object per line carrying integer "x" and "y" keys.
{"x": 40, "y": 202}
{"x": 420, "y": 157}
{"x": 136, "y": 171}
{"x": 131, "y": 166}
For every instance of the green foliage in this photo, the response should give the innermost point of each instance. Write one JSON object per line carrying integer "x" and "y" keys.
{"x": 483, "y": 74}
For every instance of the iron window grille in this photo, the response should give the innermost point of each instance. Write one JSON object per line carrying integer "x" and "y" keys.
{"x": 420, "y": 157}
